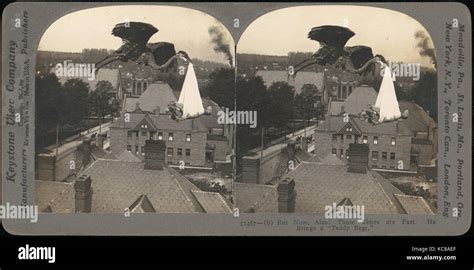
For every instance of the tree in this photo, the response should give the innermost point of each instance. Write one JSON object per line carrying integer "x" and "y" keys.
{"x": 306, "y": 102}
{"x": 49, "y": 107}
{"x": 102, "y": 103}
{"x": 76, "y": 100}
{"x": 426, "y": 93}
{"x": 221, "y": 87}
{"x": 279, "y": 105}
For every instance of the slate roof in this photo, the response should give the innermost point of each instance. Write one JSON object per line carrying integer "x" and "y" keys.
{"x": 335, "y": 123}
{"x": 414, "y": 205}
{"x": 418, "y": 119}
{"x": 211, "y": 202}
{"x": 127, "y": 156}
{"x": 118, "y": 185}
{"x": 57, "y": 197}
{"x": 162, "y": 122}
{"x": 358, "y": 100}
{"x": 256, "y": 198}
{"x": 156, "y": 94}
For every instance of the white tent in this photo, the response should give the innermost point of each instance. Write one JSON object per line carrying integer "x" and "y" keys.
{"x": 190, "y": 97}
{"x": 387, "y": 101}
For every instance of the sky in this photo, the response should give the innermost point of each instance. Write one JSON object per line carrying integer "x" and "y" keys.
{"x": 91, "y": 28}
{"x": 388, "y": 32}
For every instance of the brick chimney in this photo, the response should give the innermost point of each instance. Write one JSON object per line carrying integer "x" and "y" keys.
{"x": 292, "y": 151}
{"x": 137, "y": 106}
{"x": 251, "y": 170}
{"x": 154, "y": 154}
{"x": 286, "y": 196}
{"x": 83, "y": 194}
{"x": 358, "y": 158}
{"x": 157, "y": 110}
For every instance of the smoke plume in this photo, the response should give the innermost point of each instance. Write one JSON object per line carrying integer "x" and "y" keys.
{"x": 425, "y": 47}
{"x": 220, "y": 42}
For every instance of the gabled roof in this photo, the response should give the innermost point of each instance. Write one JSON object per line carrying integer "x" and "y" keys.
{"x": 57, "y": 197}
{"x": 334, "y": 124}
{"x": 127, "y": 156}
{"x": 418, "y": 119}
{"x": 414, "y": 205}
{"x": 158, "y": 94}
{"x": 150, "y": 126}
{"x": 118, "y": 185}
{"x": 318, "y": 185}
{"x": 211, "y": 202}
{"x": 256, "y": 198}
{"x": 160, "y": 122}
{"x": 360, "y": 98}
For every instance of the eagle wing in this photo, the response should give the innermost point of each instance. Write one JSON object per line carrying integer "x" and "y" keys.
{"x": 162, "y": 51}
{"x": 331, "y": 35}
{"x": 134, "y": 32}
{"x": 359, "y": 55}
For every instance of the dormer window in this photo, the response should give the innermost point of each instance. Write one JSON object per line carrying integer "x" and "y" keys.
{"x": 144, "y": 126}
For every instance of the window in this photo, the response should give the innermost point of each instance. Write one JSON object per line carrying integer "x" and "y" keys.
{"x": 180, "y": 151}
{"x": 392, "y": 155}
{"x": 364, "y": 139}
{"x": 144, "y": 126}
{"x": 347, "y": 154}
{"x": 129, "y": 134}
{"x": 170, "y": 137}
{"x": 348, "y": 129}
{"x": 188, "y": 152}
{"x": 376, "y": 140}
{"x": 169, "y": 151}
{"x": 143, "y": 150}
{"x": 144, "y": 133}
{"x": 341, "y": 153}
{"x": 393, "y": 141}
{"x": 129, "y": 148}
{"x": 188, "y": 137}
{"x": 349, "y": 136}
{"x": 375, "y": 155}
{"x": 136, "y": 149}
{"x": 384, "y": 155}
{"x": 160, "y": 136}
{"x": 334, "y": 151}
{"x": 334, "y": 137}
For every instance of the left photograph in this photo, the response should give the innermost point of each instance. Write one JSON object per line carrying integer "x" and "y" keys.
{"x": 126, "y": 118}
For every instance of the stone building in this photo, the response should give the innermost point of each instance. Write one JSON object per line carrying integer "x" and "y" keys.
{"x": 194, "y": 142}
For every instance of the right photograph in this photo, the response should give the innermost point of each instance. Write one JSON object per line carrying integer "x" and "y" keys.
{"x": 340, "y": 106}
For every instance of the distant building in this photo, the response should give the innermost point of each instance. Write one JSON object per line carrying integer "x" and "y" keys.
{"x": 105, "y": 74}
{"x": 404, "y": 144}
{"x": 332, "y": 84}
{"x": 195, "y": 142}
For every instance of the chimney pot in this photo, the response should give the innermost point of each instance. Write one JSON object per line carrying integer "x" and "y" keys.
{"x": 154, "y": 154}
{"x": 358, "y": 158}
{"x": 291, "y": 151}
{"x": 286, "y": 196}
{"x": 251, "y": 170}
{"x": 83, "y": 194}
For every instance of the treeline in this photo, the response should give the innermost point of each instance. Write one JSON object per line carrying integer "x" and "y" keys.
{"x": 275, "y": 105}
{"x": 66, "y": 107}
